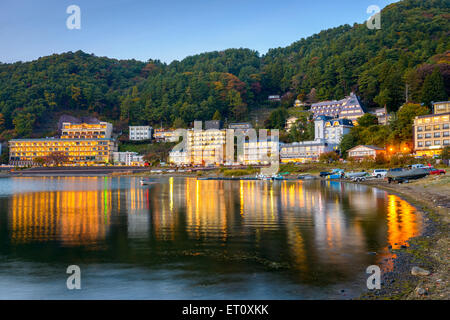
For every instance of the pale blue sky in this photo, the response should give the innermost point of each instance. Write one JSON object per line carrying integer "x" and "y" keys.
{"x": 169, "y": 29}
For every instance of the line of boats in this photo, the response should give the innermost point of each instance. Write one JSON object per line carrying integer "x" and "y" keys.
{"x": 398, "y": 175}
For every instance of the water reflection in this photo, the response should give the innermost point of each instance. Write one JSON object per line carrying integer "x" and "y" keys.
{"x": 314, "y": 228}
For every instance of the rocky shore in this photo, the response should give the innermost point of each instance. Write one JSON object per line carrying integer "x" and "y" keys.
{"x": 421, "y": 270}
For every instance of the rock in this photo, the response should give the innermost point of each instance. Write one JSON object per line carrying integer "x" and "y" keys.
{"x": 421, "y": 291}
{"x": 417, "y": 271}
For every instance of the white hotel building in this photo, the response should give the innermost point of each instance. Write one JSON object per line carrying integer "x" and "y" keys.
{"x": 138, "y": 133}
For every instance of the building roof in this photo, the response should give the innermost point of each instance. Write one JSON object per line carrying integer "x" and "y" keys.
{"x": 441, "y": 102}
{"x": 433, "y": 115}
{"x": 366, "y": 146}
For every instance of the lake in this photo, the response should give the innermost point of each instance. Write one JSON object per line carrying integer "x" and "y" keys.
{"x": 184, "y": 238}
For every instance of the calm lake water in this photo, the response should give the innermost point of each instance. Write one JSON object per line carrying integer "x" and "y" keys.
{"x": 189, "y": 239}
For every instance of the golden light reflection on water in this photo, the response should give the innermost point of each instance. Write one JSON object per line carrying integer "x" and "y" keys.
{"x": 402, "y": 221}
{"x": 333, "y": 223}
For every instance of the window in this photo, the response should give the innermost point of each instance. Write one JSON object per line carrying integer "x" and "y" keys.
{"x": 427, "y": 135}
{"x": 420, "y": 144}
{"x": 446, "y": 142}
{"x": 445, "y": 126}
{"x": 428, "y": 143}
{"x": 437, "y": 134}
{"x": 437, "y": 127}
{"x": 420, "y": 136}
{"x": 437, "y": 142}
{"x": 427, "y": 128}
{"x": 446, "y": 134}
{"x": 419, "y": 129}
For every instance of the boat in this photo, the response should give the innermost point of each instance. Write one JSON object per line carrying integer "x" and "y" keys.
{"x": 336, "y": 174}
{"x": 146, "y": 182}
{"x": 306, "y": 177}
{"x": 404, "y": 175}
{"x": 352, "y": 175}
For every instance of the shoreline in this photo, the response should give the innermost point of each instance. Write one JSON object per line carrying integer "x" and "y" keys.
{"x": 429, "y": 250}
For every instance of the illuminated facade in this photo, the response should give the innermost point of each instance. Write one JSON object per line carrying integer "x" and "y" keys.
{"x": 348, "y": 108}
{"x": 82, "y": 144}
{"x": 205, "y": 147}
{"x": 163, "y": 135}
{"x": 102, "y": 130}
{"x": 259, "y": 152}
{"x": 431, "y": 134}
{"x": 441, "y": 107}
{"x": 328, "y": 134}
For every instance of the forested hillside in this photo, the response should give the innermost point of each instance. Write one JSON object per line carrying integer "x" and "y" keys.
{"x": 412, "y": 50}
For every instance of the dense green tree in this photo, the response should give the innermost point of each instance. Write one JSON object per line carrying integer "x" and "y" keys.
{"x": 23, "y": 124}
{"x": 179, "y": 123}
{"x": 277, "y": 119}
{"x": 433, "y": 89}
{"x": 367, "y": 120}
{"x": 402, "y": 125}
{"x": 217, "y": 116}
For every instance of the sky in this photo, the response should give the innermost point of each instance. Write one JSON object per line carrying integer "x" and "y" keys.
{"x": 166, "y": 29}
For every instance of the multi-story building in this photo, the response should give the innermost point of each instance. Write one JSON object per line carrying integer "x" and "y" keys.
{"x": 259, "y": 152}
{"x": 164, "y": 135}
{"x": 180, "y": 158}
{"x": 205, "y": 147}
{"x": 327, "y": 133}
{"x": 128, "y": 158}
{"x": 304, "y": 151}
{"x": 335, "y": 129}
{"x": 431, "y": 133}
{"x": 102, "y": 130}
{"x": 81, "y": 151}
{"x": 441, "y": 107}
{"x": 83, "y": 144}
{"x": 138, "y": 133}
{"x": 348, "y": 108}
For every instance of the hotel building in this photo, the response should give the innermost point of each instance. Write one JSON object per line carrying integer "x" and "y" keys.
{"x": 328, "y": 134}
{"x": 208, "y": 147}
{"x": 348, "y": 108}
{"x": 128, "y": 158}
{"x": 163, "y": 135}
{"x": 102, "y": 130}
{"x": 431, "y": 133}
{"x": 441, "y": 107}
{"x": 83, "y": 144}
{"x": 138, "y": 133}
